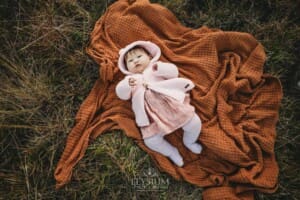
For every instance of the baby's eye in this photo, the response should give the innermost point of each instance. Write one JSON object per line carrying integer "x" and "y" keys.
{"x": 139, "y": 56}
{"x": 130, "y": 60}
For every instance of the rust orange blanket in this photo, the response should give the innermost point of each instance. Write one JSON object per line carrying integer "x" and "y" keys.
{"x": 237, "y": 103}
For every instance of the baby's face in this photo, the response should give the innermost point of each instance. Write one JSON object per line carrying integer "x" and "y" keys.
{"x": 137, "y": 60}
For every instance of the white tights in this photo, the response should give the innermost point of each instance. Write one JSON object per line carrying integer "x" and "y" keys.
{"x": 190, "y": 135}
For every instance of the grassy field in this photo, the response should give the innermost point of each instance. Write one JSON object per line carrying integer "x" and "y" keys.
{"x": 45, "y": 75}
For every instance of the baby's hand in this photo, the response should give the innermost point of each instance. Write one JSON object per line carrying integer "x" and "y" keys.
{"x": 132, "y": 82}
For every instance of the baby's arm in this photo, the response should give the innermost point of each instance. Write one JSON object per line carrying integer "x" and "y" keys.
{"x": 166, "y": 70}
{"x": 123, "y": 89}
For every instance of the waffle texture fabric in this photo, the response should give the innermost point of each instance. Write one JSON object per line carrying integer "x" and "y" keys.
{"x": 237, "y": 103}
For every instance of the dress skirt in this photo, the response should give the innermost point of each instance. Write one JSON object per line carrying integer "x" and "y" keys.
{"x": 166, "y": 114}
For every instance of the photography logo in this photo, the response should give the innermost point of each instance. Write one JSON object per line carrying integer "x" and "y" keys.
{"x": 149, "y": 180}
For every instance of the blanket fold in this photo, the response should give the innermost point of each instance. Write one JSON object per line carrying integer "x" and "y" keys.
{"x": 237, "y": 103}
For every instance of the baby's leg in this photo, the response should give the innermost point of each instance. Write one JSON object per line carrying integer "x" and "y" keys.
{"x": 191, "y": 133}
{"x": 159, "y": 144}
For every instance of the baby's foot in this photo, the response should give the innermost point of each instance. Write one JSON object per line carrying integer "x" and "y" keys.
{"x": 176, "y": 158}
{"x": 194, "y": 147}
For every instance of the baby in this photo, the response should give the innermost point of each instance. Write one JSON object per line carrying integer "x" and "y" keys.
{"x": 159, "y": 99}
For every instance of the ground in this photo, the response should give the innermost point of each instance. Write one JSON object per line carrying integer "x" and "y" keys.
{"x": 45, "y": 75}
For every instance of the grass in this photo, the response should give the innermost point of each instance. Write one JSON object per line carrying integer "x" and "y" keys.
{"x": 45, "y": 75}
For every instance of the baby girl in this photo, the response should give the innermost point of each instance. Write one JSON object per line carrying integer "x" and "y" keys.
{"x": 159, "y": 98}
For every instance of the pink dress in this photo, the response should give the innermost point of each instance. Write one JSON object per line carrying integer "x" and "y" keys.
{"x": 166, "y": 114}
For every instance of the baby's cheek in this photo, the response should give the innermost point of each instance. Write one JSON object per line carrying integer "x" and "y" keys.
{"x": 130, "y": 68}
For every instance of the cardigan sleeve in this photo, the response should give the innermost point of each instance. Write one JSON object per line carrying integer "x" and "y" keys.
{"x": 123, "y": 89}
{"x": 166, "y": 70}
